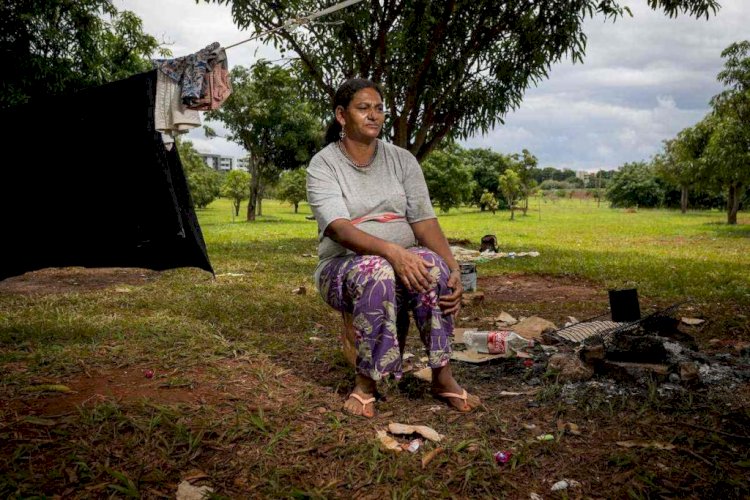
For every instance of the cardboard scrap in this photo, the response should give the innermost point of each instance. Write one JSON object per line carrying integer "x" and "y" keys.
{"x": 186, "y": 491}
{"x": 692, "y": 321}
{"x": 533, "y": 327}
{"x": 424, "y": 374}
{"x": 422, "y": 430}
{"x": 475, "y": 357}
{"x": 388, "y": 442}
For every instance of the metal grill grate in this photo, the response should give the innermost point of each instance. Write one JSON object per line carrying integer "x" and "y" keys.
{"x": 601, "y": 329}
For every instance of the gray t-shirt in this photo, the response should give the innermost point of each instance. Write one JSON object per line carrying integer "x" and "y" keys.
{"x": 392, "y": 189}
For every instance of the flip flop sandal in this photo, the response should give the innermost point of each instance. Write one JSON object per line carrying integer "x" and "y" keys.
{"x": 363, "y": 402}
{"x": 463, "y": 396}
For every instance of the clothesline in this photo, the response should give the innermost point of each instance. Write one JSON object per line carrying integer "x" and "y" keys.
{"x": 299, "y": 21}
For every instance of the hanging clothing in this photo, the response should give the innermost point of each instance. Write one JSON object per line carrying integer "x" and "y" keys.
{"x": 171, "y": 117}
{"x": 96, "y": 192}
{"x": 189, "y": 71}
{"x": 216, "y": 84}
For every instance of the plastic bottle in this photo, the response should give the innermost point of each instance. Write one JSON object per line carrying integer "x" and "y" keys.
{"x": 505, "y": 342}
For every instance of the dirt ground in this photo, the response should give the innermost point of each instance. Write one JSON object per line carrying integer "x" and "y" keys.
{"x": 705, "y": 433}
{"x": 74, "y": 279}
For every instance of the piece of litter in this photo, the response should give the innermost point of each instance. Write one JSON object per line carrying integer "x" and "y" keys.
{"x": 186, "y": 491}
{"x": 315, "y": 339}
{"x": 230, "y": 274}
{"x": 545, "y": 437}
{"x": 692, "y": 321}
{"x": 502, "y": 457}
{"x": 424, "y": 374}
{"x": 422, "y": 430}
{"x": 507, "y": 318}
{"x": 509, "y": 393}
{"x": 427, "y": 458}
{"x": 413, "y": 446}
{"x": 302, "y": 290}
{"x": 535, "y": 496}
{"x": 529, "y": 426}
{"x": 573, "y": 428}
{"x": 560, "y": 485}
{"x": 148, "y": 373}
{"x": 388, "y": 442}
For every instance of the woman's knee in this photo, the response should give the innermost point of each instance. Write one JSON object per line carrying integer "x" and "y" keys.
{"x": 434, "y": 259}
{"x": 371, "y": 270}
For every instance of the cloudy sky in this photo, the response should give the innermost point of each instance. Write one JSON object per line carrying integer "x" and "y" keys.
{"x": 643, "y": 80}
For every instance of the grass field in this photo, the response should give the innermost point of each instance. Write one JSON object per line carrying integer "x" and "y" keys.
{"x": 243, "y": 400}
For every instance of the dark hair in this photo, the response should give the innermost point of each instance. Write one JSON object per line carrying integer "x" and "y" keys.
{"x": 343, "y": 97}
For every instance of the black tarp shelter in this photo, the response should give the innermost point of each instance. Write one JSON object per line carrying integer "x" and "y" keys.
{"x": 87, "y": 182}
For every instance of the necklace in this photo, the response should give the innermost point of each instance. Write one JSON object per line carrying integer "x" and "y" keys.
{"x": 343, "y": 150}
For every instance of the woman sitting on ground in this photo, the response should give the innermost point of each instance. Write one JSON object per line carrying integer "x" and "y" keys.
{"x": 381, "y": 248}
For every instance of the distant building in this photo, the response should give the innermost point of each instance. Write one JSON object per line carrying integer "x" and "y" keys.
{"x": 218, "y": 162}
{"x": 583, "y": 175}
{"x": 243, "y": 164}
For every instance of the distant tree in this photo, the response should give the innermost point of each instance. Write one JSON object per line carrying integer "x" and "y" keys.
{"x": 448, "y": 180}
{"x": 635, "y": 184}
{"x": 563, "y": 175}
{"x": 449, "y": 68}
{"x": 680, "y": 163}
{"x": 510, "y": 186}
{"x": 552, "y": 185}
{"x": 267, "y": 115}
{"x": 292, "y": 187}
{"x": 488, "y": 202}
{"x": 727, "y": 156}
{"x": 236, "y": 187}
{"x": 525, "y": 166}
{"x": 732, "y": 105}
{"x": 203, "y": 181}
{"x": 56, "y": 46}
{"x": 486, "y": 165}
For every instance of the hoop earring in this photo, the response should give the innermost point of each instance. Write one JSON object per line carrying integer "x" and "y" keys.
{"x": 342, "y": 134}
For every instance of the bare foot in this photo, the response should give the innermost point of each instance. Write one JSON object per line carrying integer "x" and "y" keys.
{"x": 443, "y": 383}
{"x": 361, "y": 401}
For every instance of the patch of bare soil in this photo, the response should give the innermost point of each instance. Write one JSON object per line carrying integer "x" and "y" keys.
{"x": 525, "y": 288}
{"x": 122, "y": 385}
{"x": 56, "y": 280}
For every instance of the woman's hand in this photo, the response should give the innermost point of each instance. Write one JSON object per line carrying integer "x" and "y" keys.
{"x": 411, "y": 269}
{"x": 451, "y": 303}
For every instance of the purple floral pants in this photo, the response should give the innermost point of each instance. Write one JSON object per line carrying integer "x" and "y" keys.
{"x": 366, "y": 286}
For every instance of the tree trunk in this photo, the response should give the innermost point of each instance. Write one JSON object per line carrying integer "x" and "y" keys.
{"x": 254, "y": 188}
{"x": 733, "y": 203}
{"x": 237, "y": 208}
{"x": 512, "y": 212}
{"x": 525, "y": 206}
{"x": 259, "y": 204}
{"x": 296, "y": 205}
{"x": 683, "y": 199}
